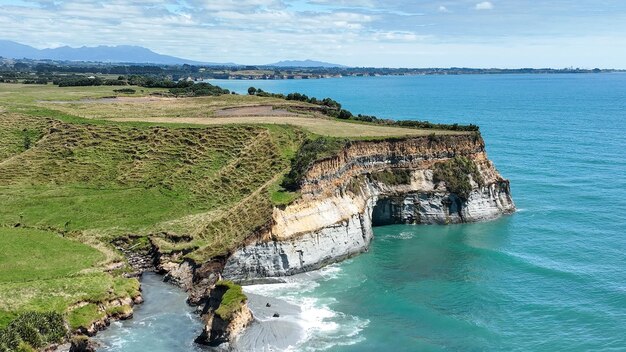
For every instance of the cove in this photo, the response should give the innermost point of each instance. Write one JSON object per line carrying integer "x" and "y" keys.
{"x": 164, "y": 322}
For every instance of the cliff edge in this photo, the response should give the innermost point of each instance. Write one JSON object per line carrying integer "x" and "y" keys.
{"x": 420, "y": 180}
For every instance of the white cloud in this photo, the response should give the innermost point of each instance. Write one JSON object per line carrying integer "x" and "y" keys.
{"x": 345, "y": 3}
{"x": 397, "y": 36}
{"x": 344, "y": 31}
{"x": 485, "y": 5}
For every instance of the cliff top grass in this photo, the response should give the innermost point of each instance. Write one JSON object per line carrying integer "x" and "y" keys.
{"x": 103, "y": 103}
{"x": 93, "y": 181}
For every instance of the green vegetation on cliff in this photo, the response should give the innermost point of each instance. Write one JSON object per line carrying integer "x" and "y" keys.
{"x": 232, "y": 300}
{"x": 310, "y": 151}
{"x": 392, "y": 177}
{"x": 42, "y": 271}
{"x": 455, "y": 173}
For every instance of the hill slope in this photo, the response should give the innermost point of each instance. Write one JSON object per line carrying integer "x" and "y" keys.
{"x": 304, "y": 63}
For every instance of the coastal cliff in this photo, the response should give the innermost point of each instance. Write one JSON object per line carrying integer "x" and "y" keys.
{"x": 421, "y": 180}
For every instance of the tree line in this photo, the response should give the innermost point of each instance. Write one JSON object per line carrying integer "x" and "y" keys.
{"x": 333, "y": 108}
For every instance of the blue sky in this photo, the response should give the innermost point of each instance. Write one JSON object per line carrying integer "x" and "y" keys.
{"x": 401, "y": 33}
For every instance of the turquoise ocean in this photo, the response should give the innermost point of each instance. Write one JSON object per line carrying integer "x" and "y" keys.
{"x": 551, "y": 277}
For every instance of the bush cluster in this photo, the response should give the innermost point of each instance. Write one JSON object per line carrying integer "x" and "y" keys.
{"x": 125, "y": 91}
{"x": 310, "y": 151}
{"x": 32, "y": 330}
{"x": 332, "y": 105}
{"x": 333, "y": 108}
{"x": 178, "y": 88}
{"x": 392, "y": 177}
{"x": 455, "y": 173}
{"x": 83, "y": 81}
{"x": 191, "y": 89}
{"x": 36, "y": 81}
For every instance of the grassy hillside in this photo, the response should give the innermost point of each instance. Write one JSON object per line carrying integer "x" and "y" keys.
{"x": 118, "y": 179}
{"x": 77, "y": 171}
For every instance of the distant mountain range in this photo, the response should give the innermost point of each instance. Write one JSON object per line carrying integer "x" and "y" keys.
{"x": 121, "y": 54}
{"x": 304, "y": 63}
{"x": 102, "y": 53}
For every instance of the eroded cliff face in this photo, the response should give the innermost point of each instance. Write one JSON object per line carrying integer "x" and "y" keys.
{"x": 343, "y": 196}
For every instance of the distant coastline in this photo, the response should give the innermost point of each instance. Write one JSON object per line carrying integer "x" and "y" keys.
{"x": 12, "y": 70}
{"x": 260, "y": 73}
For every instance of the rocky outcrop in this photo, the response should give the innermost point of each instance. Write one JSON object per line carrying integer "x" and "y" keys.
{"x": 196, "y": 279}
{"x": 343, "y": 196}
{"x": 225, "y": 315}
{"x": 82, "y": 343}
{"x": 116, "y": 309}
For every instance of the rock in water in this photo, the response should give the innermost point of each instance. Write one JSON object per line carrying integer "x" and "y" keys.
{"x": 225, "y": 314}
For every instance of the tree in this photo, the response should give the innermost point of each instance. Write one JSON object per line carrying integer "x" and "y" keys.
{"x": 344, "y": 114}
{"x": 19, "y": 66}
{"x": 251, "y": 91}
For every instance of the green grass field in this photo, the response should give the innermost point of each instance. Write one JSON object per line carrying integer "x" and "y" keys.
{"x": 77, "y": 172}
{"x": 43, "y": 271}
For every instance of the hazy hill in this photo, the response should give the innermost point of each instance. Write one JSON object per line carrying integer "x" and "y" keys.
{"x": 102, "y": 53}
{"x": 304, "y": 63}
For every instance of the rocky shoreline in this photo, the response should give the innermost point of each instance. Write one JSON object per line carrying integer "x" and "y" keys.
{"x": 342, "y": 197}
{"x": 368, "y": 183}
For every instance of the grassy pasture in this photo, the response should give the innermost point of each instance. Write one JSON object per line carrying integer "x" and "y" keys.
{"x": 42, "y": 271}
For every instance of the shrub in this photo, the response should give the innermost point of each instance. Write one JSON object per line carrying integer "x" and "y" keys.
{"x": 197, "y": 89}
{"x": 26, "y": 139}
{"x": 310, "y": 151}
{"x": 392, "y": 177}
{"x": 125, "y": 91}
{"x": 455, "y": 173}
{"x": 344, "y": 114}
{"x": 32, "y": 330}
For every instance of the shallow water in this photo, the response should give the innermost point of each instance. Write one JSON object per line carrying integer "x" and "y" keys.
{"x": 551, "y": 277}
{"x": 164, "y": 322}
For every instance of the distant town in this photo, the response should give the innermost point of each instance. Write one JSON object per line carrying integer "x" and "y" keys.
{"x": 45, "y": 70}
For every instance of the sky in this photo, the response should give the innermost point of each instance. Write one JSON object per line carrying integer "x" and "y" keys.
{"x": 381, "y": 33}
